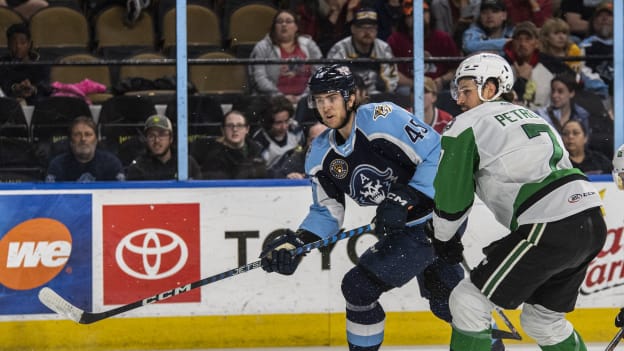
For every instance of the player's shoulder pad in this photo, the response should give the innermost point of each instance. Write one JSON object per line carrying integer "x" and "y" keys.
{"x": 380, "y": 113}
{"x": 318, "y": 149}
{"x": 387, "y": 117}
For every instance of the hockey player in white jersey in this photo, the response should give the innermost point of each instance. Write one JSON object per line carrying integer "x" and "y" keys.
{"x": 517, "y": 165}
{"x": 379, "y": 155}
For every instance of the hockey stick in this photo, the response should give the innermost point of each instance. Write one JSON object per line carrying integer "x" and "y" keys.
{"x": 507, "y": 335}
{"x": 616, "y": 340}
{"x": 56, "y": 303}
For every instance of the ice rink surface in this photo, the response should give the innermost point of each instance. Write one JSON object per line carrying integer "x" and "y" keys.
{"x": 523, "y": 347}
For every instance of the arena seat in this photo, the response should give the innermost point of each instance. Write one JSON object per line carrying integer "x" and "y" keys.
{"x": 75, "y": 74}
{"x": 12, "y": 119}
{"x": 59, "y": 30}
{"x": 115, "y": 40}
{"x": 218, "y": 79}
{"x": 247, "y": 25}
{"x": 203, "y": 30}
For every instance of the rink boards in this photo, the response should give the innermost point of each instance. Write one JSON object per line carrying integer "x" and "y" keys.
{"x": 104, "y": 247}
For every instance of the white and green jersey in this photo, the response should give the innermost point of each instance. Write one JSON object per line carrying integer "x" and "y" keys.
{"x": 515, "y": 162}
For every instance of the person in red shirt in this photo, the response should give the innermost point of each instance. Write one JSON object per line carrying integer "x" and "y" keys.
{"x": 536, "y": 11}
{"x": 436, "y": 43}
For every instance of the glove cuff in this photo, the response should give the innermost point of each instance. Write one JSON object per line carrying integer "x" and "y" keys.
{"x": 307, "y": 236}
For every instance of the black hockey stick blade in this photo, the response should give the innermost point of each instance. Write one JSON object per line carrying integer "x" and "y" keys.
{"x": 503, "y": 334}
{"x": 616, "y": 340}
{"x": 513, "y": 334}
{"x": 58, "y": 304}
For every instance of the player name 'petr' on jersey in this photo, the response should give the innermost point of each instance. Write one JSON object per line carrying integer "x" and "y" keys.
{"x": 515, "y": 162}
{"x": 387, "y": 144}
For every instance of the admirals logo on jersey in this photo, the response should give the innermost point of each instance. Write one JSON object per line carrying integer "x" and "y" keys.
{"x": 339, "y": 168}
{"x": 370, "y": 185}
{"x": 381, "y": 110}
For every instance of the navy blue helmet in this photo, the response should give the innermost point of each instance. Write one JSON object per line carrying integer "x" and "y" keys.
{"x": 333, "y": 78}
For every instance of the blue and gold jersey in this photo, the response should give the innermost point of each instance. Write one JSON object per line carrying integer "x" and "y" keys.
{"x": 387, "y": 145}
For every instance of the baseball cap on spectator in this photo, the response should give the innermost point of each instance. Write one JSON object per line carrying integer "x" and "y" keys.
{"x": 498, "y": 5}
{"x": 527, "y": 28}
{"x": 604, "y": 6}
{"x": 365, "y": 16}
{"x": 160, "y": 122}
{"x": 430, "y": 86}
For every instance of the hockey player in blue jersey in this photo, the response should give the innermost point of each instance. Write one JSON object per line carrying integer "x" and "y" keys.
{"x": 379, "y": 155}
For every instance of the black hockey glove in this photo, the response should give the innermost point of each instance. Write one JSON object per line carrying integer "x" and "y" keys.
{"x": 391, "y": 213}
{"x": 619, "y": 319}
{"x": 276, "y": 257}
{"x": 452, "y": 251}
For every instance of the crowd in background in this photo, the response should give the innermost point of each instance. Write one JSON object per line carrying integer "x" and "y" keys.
{"x": 270, "y": 126}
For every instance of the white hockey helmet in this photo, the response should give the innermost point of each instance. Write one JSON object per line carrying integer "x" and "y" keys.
{"x": 482, "y": 67}
{"x": 618, "y": 167}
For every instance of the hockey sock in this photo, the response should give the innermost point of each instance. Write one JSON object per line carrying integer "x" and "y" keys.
{"x": 471, "y": 341}
{"x": 574, "y": 342}
{"x": 365, "y": 327}
{"x": 365, "y": 316}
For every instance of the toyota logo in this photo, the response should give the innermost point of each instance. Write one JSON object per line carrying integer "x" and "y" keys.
{"x": 151, "y": 246}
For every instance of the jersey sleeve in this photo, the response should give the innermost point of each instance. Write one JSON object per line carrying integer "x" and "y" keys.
{"x": 454, "y": 183}
{"x": 326, "y": 213}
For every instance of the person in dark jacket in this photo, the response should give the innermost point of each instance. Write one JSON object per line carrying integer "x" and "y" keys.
{"x": 84, "y": 162}
{"x": 26, "y": 83}
{"x": 161, "y": 161}
{"x": 234, "y": 155}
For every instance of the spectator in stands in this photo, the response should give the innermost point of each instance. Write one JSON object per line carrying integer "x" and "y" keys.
{"x": 26, "y": 83}
{"x": 234, "y": 155}
{"x": 326, "y": 21}
{"x": 561, "y": 109}
{"x": 285, "y": 42}
{"x": 533, "y": 70}
{"x": 578, "y": 14}
{"x": 536, "y": 11}
{"x": 600, "y": 42}
{"x": 454, "y": 17}
{"x": 291, "y": 165}
{"x": 575, "y": 138}
{"x": 434, "y": 116}
{"x": 26, "y": 8}
{"x": 436, "y": 43}
{"x": 555, "y": 44}
{"x": 363, "y": 43}
{"x": 276, "y": 135}
{"x": 161, "y": 161}
{"x": 555, "y": 41}
{"x": 85, "y": 162}
{"x": 389, "y": 13}
{"x": 490, "y": 32}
